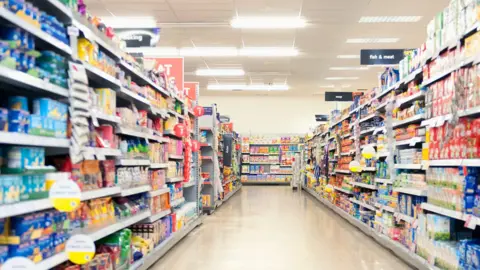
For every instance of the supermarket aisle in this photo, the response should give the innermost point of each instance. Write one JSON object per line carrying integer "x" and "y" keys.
{"x": 272, "y": 228}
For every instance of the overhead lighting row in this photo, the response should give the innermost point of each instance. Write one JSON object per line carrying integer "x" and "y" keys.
{"x": 216, "y": 51}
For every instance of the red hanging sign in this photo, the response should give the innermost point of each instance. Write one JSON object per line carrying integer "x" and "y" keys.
{"x": 195, "y": 146}
{"x": 198, "y": 111}
{"x": 180, "y": 130}
{"x": 190, "y": 89}
{"x": 174, "y": 69}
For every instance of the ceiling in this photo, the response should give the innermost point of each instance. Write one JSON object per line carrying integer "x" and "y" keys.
{"x": 206, "y": 23}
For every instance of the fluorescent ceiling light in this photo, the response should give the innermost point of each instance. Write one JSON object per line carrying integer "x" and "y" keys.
{"x": 349, "y": 68}
{"x": 341, "y": 78}
{"x": 268, "y": 51}
{"x": 268, "y": 22}
{"x": 220, "y": 72}
{"x": 250, "y": 87}
{"x": 216, "y": 51}
{"x": 155, "y": 51}
{"x": 372, "y": 40}
{"x": 209, "y": 51}
{"x": 348, "y": 56}
{"x": 130, "y": 22}
{"x": 389, "y": 19}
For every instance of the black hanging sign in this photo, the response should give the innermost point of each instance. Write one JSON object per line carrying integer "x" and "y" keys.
{"x": 227, "y": 149}
{"x": 381, "y": 57}
{"x": 321, "y": 117}
{"x": 338, "y": 96}
{"x": 142, "y": 37}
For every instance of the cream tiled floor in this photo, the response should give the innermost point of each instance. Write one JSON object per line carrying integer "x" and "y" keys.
{"x": 274, "y": 228}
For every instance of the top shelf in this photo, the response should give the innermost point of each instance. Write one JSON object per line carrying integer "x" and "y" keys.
{"x": 141, "y": 78}
{"x": 12, "y": 18}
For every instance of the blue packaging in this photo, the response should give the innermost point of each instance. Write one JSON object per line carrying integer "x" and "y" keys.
{"x": 60, "y": 128}
{"x": 26, "y": 250}
{"x": 472, "y": 258}
{"x": 18, "y": 103}
{"x": 50, "y": 108}
{"x": 10, "y": 188}
{"x": 17, "y": 121}
{"x": 12, "y": 35}
{"x": 45, "y": 246}
{"x": 468, "y": 203}
{"x": 3, "y": 254}
{"x": 3, "y": 119}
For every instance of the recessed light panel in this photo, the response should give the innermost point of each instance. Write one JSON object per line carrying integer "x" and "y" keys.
{"x": 268, "y": 22}
{"x": 389, "y": 19}
{"x": 372, "y": 40}
{"x": 220, "y": 72}
{"x": 348, "y": 56}
{"x": 130, "y": 22}
{"x": 349, "y": 68}
{"x": 341, "y": 78}
{"x": 249, "y": 87}
{"x": 267, "y": 51}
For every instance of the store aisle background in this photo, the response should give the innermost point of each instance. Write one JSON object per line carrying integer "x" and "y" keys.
{"x": 274, "y": 228}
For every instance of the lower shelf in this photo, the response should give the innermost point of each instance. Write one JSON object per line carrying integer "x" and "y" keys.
{"x": 251, "y": 183}
{"x": 402, "y": 252}
{"x": 229, "y": 195}
{"x": 164, "y": 247}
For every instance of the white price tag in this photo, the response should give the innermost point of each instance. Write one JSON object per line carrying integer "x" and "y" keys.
{"x": 395, "y": 214}
{"x": 99, "y": 154}
{"x": 95, "y": 120}
{"x": 73, "y": 31}
{"x": 414, "y": 141}
{"x": 425, "y": 164}
{"x": 89, "y": 154}
{"x": 440, "y": 121}
{"x": 470, "y": 222}
{"x": 415, "y": 224}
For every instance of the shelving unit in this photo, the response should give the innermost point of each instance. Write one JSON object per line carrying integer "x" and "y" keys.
{"x": 82, "y": 106}
{"x": 418, "y": 141}
{"x": 268, "y": 160}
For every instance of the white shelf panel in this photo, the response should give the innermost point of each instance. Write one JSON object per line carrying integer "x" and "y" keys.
{"x": 106, "y": 152}
{"x": 132, "y": 162}
{"x": 383, "y": 154}
{"x": 369, "y": 117}
{"x": 174, "y": 113}
{"x": 369, "y": 169}
{"x": 385, "y": 208}
{"x": 158, "y": 165}
{"x": 135, "y": 190}
{"x": 413, "y": 119}
{"x": 403, "y": 217}
{"x": 143, "y": 78}
{"x": 341, "y": 120}
{"x": 366, "y": 145}
{"x": 388, "y": 90}
{"x": 451, "y": 213}
{"x": 370, "y": 130}
{"x": 27, "y": 81}
{"x": 159, "y": 251}
{"x": 454, "y": 162}
{"x": 409, "y": 257}
{"x": 383, "y": 181}
{"x": 99, "y": 193}
{"x": 189, "y": 184}
{"x": 409, "y": 166}
{"x": 32, "y": 140}
{"x": 412, "y": 191}
{"x": 410, "y": 142}
{"x": 105, "y": 117}
{"x": 101, "y": 76}
{"x": 410, "y": 99}
{"x": 373, "y": 187}
{"x": 174, "y": 179}
{"x": 365, "y": 205}
{"x": 132, "y": 96}
{"x": 37, "y": 32}
{"x": 179, "y": 157}
{"x": 177, "y": 202}
{"x": 154, "y": 193}
{"x": 342, "y": 190}
{"x": 89, "y": 34}
{"x": 343, "y": 171}
{"x": 158, "y": 216}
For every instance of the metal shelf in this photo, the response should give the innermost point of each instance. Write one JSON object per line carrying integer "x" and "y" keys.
{"x": 454, "y": 162}
{"x": 175, "y": 179}
{"x": 158, "y": 165}
{"x": 158, "y": 192}
{"x": 26, "y": 81}
{"x": 179, "y": 157}
{"x": 365, "y": 205}
{"x": 229, "y": 195}
{"x": 101, "y": 76}
{"x": 132, "y": 162}
{"x": 411, "y": 191}
{"x": 158, "y": 216}
{"x": 399, "y": 250}
{"x": 343, "y": 190}
{"x": 265, "y": 183}
{"x": 413, "y": 119}
{"x": 134, "y": 190}
{"x": 32, "y": 140}
{"x": 409, "y": 166}
{"x": 450, "y": 213}
{"x": 383, "y": 181}
{"x": 177, "y": 202}
{"x": 373, "y": 187}
{"x": 36, "y": 31}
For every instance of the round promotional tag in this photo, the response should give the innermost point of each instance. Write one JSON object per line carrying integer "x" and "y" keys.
{"x": 18, "y": 263}
{"x": 80, "y": 249}
{"x": 65, "y": 196}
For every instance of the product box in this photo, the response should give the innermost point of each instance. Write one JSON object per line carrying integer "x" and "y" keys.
{"x": 49, "y": 108}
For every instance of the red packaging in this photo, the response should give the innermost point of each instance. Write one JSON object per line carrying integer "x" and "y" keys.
{"x": 142, "y": 118}
{"x": 463, "y": 147}
{"x": 108, "y": 173}
{"x": 476, "y": 127}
